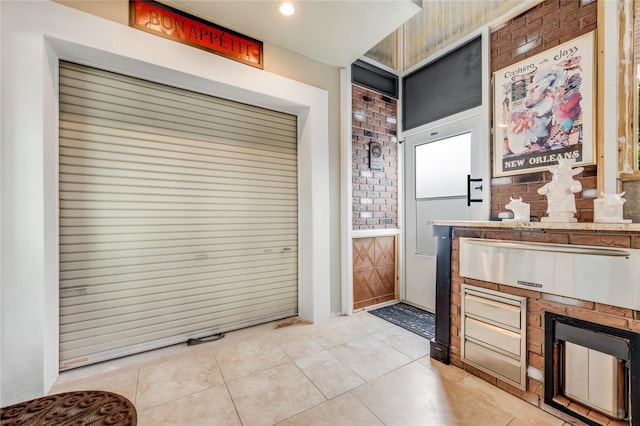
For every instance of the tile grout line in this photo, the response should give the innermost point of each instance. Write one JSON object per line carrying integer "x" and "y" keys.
{"x": 365, "y": 405}
{"x": 226, "y": 385}
{"x": 135, "y": 396}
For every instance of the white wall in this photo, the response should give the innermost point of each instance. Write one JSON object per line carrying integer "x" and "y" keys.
{"x": 34, "y": 36}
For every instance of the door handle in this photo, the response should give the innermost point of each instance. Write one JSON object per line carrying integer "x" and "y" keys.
{"x": 469, "y": 199}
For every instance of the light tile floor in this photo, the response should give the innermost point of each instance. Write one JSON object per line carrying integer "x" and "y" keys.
{"x": 356, "y": 370}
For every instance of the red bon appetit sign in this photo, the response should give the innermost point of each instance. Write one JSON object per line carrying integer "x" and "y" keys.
{"x": 173, "y": 24}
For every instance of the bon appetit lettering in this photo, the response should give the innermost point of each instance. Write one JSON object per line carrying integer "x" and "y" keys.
{"x": 170, "y": 23}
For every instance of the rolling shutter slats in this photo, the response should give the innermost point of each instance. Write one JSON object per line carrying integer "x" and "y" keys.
{"x": 163, "y": 94}
{"x": 75, "y": 293}
{"x": 178, "y": 215}
{"x": 247, "y": 231}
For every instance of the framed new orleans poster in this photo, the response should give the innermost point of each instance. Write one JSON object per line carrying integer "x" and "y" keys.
{"x": 543, "y": 109}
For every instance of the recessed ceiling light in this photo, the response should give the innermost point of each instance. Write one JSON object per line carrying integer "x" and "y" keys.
{"x": 286, "y": 8}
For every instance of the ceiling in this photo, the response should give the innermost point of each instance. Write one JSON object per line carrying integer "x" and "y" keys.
{"x": 336, "y": 32}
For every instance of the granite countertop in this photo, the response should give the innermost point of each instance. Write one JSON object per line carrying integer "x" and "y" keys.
{"x": 584, "y": 226}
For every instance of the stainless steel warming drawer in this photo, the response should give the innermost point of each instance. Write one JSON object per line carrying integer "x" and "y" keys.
{"x": 493, "y": 362}
{"x": 492, "y": 310}
{"x": 597, "y": 274}
{"x": 498, "y": 338}
{"x": 493, "y": 333}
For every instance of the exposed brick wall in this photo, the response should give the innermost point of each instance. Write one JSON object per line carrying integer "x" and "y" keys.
{"x": 527, "y": 185}
{"x": 546, "y": 25}
{"x": 375, "y": 193}
{"x": 538, "y": 303}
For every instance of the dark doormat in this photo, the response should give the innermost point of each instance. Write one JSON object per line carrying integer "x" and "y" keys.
{"x": 416, "y": 320}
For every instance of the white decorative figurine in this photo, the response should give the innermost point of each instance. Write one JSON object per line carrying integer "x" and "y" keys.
{"x": 521, "y": 211}
{"x": 561, "y": 203}
{"x": 608, "y": 209}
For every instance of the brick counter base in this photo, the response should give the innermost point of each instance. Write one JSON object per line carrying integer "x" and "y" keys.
{"x": 537, "y": 304}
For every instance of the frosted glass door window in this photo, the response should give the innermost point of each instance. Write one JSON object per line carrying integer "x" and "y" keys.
{"x": 442, "y": 167}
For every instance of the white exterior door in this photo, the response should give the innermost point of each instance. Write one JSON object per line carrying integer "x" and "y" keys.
{"x": 438, "y": 159}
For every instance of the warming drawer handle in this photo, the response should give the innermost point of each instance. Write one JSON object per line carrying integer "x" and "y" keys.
{"x": 551, "y": 248}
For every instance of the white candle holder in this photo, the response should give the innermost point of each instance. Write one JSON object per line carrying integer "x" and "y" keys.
{"x": 521, "y": 211}
{"x": 608, "y": 209}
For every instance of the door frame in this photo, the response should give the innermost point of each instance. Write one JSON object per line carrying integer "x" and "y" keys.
{"x": 346, "y": 172}
{"x": 485, "y": 112}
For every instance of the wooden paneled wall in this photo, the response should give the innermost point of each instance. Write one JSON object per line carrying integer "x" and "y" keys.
{"x": 374, "y": 271}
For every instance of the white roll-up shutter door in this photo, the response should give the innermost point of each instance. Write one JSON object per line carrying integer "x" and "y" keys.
{"x": 178, "y": 215}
